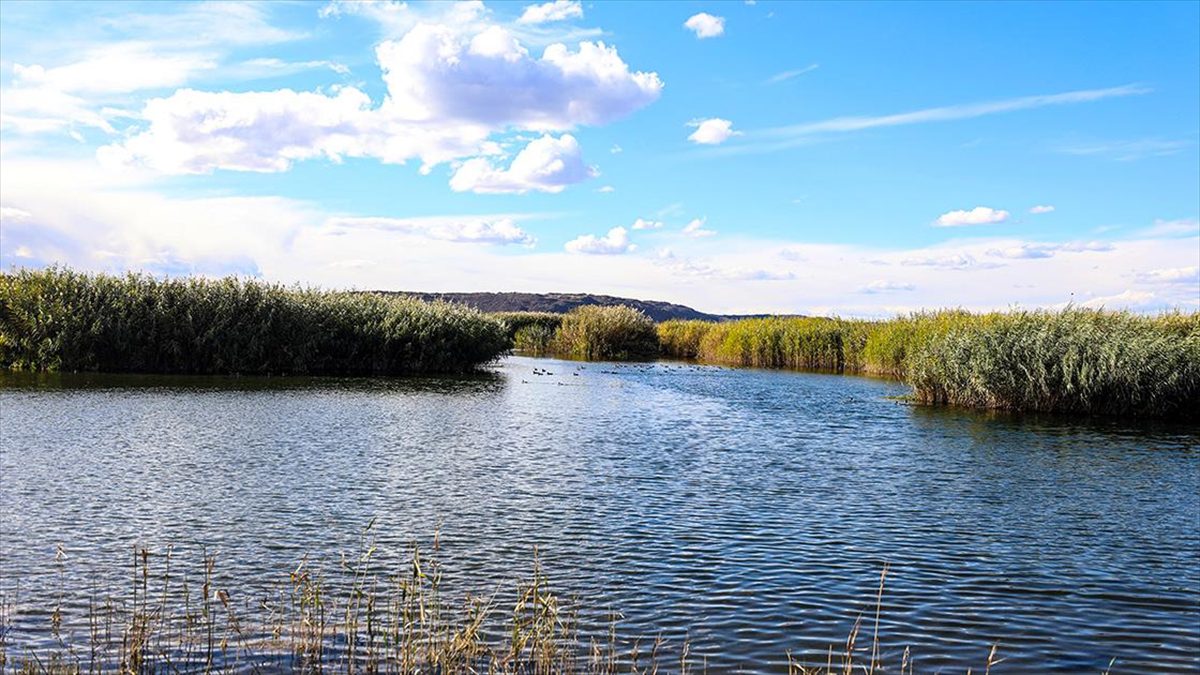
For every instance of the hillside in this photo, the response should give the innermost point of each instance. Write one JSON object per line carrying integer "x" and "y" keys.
{"x": 564, "y": 302}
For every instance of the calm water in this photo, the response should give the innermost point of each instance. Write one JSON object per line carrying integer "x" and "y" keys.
{"x": 748, "y": 511}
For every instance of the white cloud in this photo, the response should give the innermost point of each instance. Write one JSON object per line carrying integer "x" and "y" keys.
{"x": 696, "y": 229}
{"x": 1172, "y": 275}
{"x": 700, "y": 268}
{"x": 642, "y": 224}
{"x": 1173, "y": 228}
{"x": 450, "y": 87}
{"x": 963, "y": 111}
{"x": 606, "y": 189}
{"x": 614, "y": 243}
{"x": 1127, "y": 150}
{"x": 781, "y": 138}
{"x": 115, "y": 221}
{"x": 114, "y": 69}
{"x": 1043, "y": 250}
{"x": 547, "y": 164}
{"x": 882, "y": 286}
{"x": 196, "y": 132}
{"x": 558, "y": 10}
{"x": 712, "y": 131}
{"x": 11, "y": 214}
{"x": 1042, "y": 208}
{"x": 705, "y": 25}
{"x": 952, "y": 261}
{"x": 980, "y": 215}
{"x": 151, "y": 51}
{"x": 465, "y": 229}
{"x": 1128, "y": 299}
{"x": 434, "y": 73}
{"x": 789, "y": 74}
{"x": 1037, "y": 250}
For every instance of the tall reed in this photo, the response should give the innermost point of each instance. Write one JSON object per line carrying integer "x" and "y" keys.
{"x": 362, "y": 616}
{"x": 1078, "y": 361}
{"x": 1073, "y": 360}
{"x": 58, "y": 319}
{"x": 531, "y": 332}
{"x": 616, "y": 332}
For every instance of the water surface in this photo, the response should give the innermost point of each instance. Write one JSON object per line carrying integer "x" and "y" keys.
{"x": 747, "y": 511}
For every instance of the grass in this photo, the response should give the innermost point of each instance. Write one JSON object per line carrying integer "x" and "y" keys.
{"x": 357, "y": 618}
{"x": 1073, "y": 360}
{"x": 60, "y": 320}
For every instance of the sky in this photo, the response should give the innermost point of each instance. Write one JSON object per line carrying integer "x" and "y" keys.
{"x": 851, "y": 159}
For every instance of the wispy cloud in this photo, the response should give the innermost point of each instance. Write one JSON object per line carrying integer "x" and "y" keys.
{"x": 1031, "y": 251}
{"x": 1173, "y": 228}
{"x": 789, "y": 74}
{"x": 1126, "y": 150}
{"x": 780, "y": 138}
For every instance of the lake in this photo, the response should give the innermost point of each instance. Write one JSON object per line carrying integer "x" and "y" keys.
{"x": 749, "y": 512}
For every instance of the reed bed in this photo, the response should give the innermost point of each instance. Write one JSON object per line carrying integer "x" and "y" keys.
{"x": 60, "y": 320}
{"x": 606, "y": 333}
{"x": 1073, "y": 360}
{"x": 531, "y": 332}
{"x": 356, "y": 618}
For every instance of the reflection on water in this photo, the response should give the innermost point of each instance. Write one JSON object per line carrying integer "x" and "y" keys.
{"x": 748, "y": 511}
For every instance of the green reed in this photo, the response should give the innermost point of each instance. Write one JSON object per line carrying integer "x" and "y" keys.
{"x": 361, "y": 616}
{"x": 58, "y": 319}
{"x": 531, "y": 332}
{"x": 1073, "y": 360}
{"x": 606, "y": 333}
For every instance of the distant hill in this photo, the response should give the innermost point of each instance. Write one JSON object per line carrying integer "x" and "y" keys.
{"x": 565, "y": 302}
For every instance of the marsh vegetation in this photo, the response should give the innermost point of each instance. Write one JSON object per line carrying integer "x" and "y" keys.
{"x": 360, "y": 617}
{"x": 1073, "y": 360}
{"x": 61, "y": 320}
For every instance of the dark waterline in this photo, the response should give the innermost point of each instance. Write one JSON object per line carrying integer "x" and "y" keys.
{"x": 747, "y": 511}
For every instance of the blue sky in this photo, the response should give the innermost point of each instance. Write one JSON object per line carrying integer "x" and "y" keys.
{"x": 858, "y": 159}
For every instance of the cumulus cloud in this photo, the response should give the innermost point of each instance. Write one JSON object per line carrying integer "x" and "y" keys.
{"x": 614, "y": 243}
{"x": 643, "y": 224}
{"x": 980, "y": 215}
{"x": 713, "y": 131}
{"x": 558, "y": 10}
{"x": 436, "y": 73}
{"x": 1042, "y": 208}
{"x": 196, "y": 132}
{"x": 547, "y": 164}
{"x": 696, "y": 229}
{"x": 477, "y": 230}
{"x": 449, "y": 87}
{"x": 705, "y": 25}
{"x": 606, "y": 189}
{"x": 882, "y": 286}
